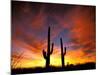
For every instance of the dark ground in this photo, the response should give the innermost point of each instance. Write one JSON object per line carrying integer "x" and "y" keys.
{"x": 86, "y": 66}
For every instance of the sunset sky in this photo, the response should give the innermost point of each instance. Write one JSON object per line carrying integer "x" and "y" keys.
{"x": 30, "y": 22}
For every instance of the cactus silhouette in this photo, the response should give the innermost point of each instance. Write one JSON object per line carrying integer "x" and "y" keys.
{"x": 63, "y": 52}
{"x": 49, "y": 51}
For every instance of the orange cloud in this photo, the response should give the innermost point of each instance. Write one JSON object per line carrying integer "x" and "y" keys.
{"x": 28, "y": 41}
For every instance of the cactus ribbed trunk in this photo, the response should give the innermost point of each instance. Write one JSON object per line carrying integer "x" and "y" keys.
{"x": 49, "y": 51}
{"x": 63, "y": 52}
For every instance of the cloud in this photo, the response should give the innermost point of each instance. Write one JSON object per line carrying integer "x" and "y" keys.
{"x": 75, "y": 24}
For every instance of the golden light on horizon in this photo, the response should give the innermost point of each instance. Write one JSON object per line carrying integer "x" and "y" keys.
{"x": 49, "y": 37}
{"x": 54, "y": 61}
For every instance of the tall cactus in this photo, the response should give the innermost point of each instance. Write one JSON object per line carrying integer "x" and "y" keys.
{"x": 49, "y": 51}
{"x": 63, "y": 52}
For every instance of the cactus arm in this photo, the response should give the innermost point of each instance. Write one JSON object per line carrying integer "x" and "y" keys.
{"x": 64, "y": 50}
{"x": 44, "y": 54}
{"x": 52, "y": 48}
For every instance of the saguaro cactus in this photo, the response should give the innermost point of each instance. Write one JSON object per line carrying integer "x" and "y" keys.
{"x": 49, "y": 51}
{"x": 63, "y": 52}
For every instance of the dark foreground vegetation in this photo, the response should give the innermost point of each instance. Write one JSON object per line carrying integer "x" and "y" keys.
{"x": 70, "y": 67}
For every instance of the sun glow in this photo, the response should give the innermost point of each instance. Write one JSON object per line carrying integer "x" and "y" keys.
{"x": 30, "y": 64}
{"x": 55, "y": 60}
{"x": 30, "y": 34}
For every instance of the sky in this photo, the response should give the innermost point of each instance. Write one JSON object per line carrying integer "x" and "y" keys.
{"x": 76, "y": 24}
